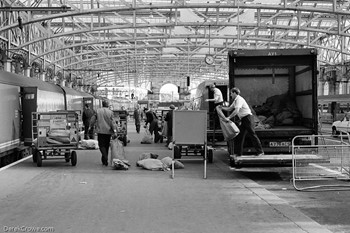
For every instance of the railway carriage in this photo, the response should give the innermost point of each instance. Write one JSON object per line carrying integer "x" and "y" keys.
{"x": 20, "y": 97}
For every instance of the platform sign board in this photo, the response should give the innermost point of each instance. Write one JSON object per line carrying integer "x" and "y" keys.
{"x": 190, "y": 127}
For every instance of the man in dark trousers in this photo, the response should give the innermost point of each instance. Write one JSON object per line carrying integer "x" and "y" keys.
{"x": 137, "y": 118}
{"x": 169, "y": 119}
{"x": 152, "y": 120}
{"x": 242, "y": 110}
{"x": 106, "y": 126}
{"x": 218, "y": 102}
{"x": 87, "y": 114}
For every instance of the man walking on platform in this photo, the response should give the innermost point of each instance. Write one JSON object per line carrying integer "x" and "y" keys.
{"x": 137, "y": 118}
{"x": 105, "y": 128}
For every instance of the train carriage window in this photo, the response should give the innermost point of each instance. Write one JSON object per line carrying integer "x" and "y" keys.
{"x": 29, "y": 96}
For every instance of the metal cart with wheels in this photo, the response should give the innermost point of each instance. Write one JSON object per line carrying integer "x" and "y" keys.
{"x": 194, "y": 150}
{"x": 121, "y": 117}
{"x": 194, "y": 139}
{"x": 189, "y": 150}
{"x": 55, "y": 135}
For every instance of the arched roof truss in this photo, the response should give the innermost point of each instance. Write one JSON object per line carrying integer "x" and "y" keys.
{"x": 106, "y": 42}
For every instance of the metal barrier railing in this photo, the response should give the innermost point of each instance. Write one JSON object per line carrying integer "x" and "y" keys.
{"x": 321, "y": 162}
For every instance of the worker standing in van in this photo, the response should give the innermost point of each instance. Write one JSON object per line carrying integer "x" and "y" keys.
{"x": 241, "y": 109}
{"x": 218, "y": 100}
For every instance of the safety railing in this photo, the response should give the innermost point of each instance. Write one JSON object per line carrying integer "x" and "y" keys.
{"x": 321, "y": 162}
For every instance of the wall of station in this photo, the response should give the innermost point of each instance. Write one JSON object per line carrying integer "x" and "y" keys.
{"x": 334, "y": 80}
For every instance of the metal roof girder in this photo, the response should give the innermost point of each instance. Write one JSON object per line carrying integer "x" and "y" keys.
{"x": 247, "y": 6}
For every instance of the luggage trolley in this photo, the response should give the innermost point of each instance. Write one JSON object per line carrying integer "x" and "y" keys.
{"x": 192, "y": 149}
{"x": 55, "y": 134}
{"x": 121, "y": 117}
{"x": 189, "y": 130}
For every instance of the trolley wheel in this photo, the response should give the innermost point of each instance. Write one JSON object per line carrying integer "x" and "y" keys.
{"x": 34, "y": 154}
{"x": 210, "y": 156}
{"x": 39, "y": 159}
{"x": 177, "y": 152}
{"x": 232, "y": 161}
{"x": 67, "y": 156}
{"x": 73, "y": 158}
{"x": 125, "y": 140}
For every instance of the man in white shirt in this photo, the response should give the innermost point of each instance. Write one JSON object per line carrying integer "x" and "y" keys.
{"x": 241, "y": 109}
{"x": 218, "y": 102}
{"x": 218, "y": 98}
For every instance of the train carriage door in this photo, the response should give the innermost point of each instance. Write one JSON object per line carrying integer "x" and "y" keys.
{"x": 29, "y": 105}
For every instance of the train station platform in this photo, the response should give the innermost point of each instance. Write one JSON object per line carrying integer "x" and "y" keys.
{"x": 58, "y": 197}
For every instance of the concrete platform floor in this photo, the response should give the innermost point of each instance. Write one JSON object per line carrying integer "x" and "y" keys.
{"x": 97, "y": 199}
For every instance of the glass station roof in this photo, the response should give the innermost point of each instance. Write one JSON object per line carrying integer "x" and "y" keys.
{"x": 137, "y": 42}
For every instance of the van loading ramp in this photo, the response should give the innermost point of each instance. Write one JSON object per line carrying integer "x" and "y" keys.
{"x": 271, "y": 160}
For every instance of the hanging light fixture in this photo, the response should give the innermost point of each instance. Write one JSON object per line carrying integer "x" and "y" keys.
{"x": 188, "y": 62}
{"x": 209, "y": 59}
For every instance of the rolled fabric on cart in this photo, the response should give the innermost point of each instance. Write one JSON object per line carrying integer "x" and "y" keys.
{"x": 229, "y": 129}
{"x": 58, "y": 136}
{"x": 52, "y": 141}
{"x": 61, "y": 140}
{"x": 59, "y": 133}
